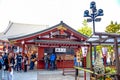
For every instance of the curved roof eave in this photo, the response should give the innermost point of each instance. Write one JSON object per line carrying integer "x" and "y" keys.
{"x": 45, "y": 30}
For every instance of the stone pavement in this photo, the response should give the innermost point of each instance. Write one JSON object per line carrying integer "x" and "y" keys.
{"x": 45, "y": 75}
{"x": 57, "y": 75}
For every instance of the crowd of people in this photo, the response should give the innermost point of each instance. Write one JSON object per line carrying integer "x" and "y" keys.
{"x": 17, "y": 61}
{"x": 50, "y": 61}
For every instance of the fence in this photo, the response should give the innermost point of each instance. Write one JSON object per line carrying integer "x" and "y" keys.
{"x": 96, "y": 76}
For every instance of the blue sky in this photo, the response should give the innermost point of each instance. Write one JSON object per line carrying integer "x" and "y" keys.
{"x": 51, "y": 12}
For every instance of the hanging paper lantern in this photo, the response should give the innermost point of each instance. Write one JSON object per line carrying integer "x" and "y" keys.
{"x": 104, "y": 51}
{"x": 84, "y": 51}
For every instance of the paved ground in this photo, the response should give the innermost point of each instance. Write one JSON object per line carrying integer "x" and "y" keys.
{"x": 57, "y": 75}
{"x": 45, "y": 75}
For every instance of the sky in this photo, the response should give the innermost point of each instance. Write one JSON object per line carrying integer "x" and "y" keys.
{"x": 51, "y": 12}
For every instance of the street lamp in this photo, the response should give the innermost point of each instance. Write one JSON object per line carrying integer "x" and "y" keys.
{"x": 93, "y": 15}
{"x": 93, "y": 18}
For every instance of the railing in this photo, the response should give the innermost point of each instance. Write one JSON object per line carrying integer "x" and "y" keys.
{"x": 96, "y": 76}
{"x": 80, "y": 68}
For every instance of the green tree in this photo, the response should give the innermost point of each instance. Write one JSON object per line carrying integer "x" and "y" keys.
{"x": 113, "y": 28}
{"x": 86, "y": 30}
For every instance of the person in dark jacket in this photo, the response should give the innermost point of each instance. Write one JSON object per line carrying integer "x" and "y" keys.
{"x": 12, "y": 61}
{"x": 32, "y": 60}
{"x": 19, "y": 62}
{"x": 5, "y": 59}
{"x": 46, "y": 60}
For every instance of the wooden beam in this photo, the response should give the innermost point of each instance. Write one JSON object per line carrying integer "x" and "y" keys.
{"x": 117, "y": 63}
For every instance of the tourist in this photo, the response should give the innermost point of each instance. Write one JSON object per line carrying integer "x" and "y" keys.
{"x": 55, "y": 63}
{"x": 5, "y": 59}
{"x": 75, "y": 61}
{"x": 46, "y": 60}
{"x": 25, "y": 62}
{"x": 52, "y": 61}
{"x": 19, "y": 61}
{"x": 32, "y": 60}
{"x": 12, "y": 60}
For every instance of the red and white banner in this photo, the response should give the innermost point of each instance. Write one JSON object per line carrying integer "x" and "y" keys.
{"x": 104, "y": 51}
{"x": 84, "y": 51}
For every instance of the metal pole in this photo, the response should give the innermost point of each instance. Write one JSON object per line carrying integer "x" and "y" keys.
{"x": 84, "y": 68}
{"x": 93, "y": 19}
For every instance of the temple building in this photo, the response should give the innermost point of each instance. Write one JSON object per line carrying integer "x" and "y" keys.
{"x": 3, "y": 43}
{"x": 61, "y": 38}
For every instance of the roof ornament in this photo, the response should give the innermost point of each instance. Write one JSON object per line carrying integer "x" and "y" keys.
{"x": 62, "y": 29}
{"x": 61, "y": 22}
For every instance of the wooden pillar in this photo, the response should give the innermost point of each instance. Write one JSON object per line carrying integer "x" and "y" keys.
{"x": 23, "y": 49}
{"x": 117, "y": 63}
{"x": 91, "y": 67}
{"x": 40, "y": 64}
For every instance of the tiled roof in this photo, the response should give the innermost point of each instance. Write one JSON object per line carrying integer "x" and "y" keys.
{"x": 104, "y": 38}
{"x": 41, "y": 31}
{"x": 21, "y": 29}
{"x": 3, "y": 37}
